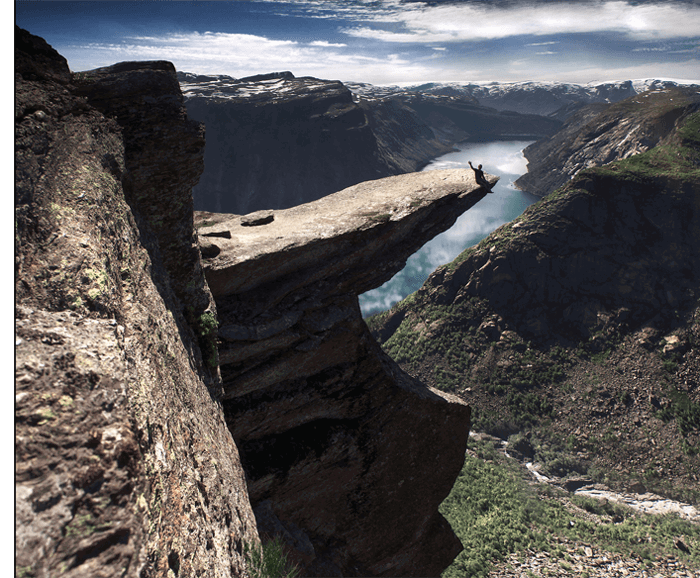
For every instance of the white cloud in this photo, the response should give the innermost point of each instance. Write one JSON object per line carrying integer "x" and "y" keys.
{"x": 465, "y": 22}
{"x": 243, "y": 54}
{"x": 326, "y": 44}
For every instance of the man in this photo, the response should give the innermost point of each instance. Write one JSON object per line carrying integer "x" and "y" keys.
{"x": 480, "y": 178}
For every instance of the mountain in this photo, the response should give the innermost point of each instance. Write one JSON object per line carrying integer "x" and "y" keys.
{"x": 597, "y": 134}
{"x": 456, "y": 115}
{"x": 275, "y": 141}
{"x": 532, "y": 97}
{"x": 577, "y": 326}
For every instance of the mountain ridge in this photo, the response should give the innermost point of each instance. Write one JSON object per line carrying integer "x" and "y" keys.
{"x": 276, "y": 140}
{"x": 598, "y": 134}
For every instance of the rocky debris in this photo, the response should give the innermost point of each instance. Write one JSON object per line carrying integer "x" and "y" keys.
{"x": 337, "y": 441}
{"x": 580, "y": 559}
{"x": 598, "y": 134}
{"x": 164, "y": 158}
{"x": 257, "y": 218}
{"x": 124, "y": 465}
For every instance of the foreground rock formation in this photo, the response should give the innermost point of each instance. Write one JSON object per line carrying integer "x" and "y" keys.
{"x": 347, "y": 456}
{"x": 124, "y": 464}
{"x": 598, "y": 134}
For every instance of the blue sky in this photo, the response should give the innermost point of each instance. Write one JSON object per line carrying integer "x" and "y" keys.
{"x": 382, "y": 41}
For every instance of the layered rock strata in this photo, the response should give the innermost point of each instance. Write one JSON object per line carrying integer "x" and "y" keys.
{"x": 124, "y": 465}
{"x": 346, "y": 454}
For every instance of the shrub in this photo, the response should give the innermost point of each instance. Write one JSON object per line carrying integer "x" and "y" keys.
{"x": 269, "y": 561}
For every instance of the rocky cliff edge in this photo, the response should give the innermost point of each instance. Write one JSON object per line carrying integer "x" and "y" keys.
{"x": 347, "y": 456}
{"x": 124, "y": 464}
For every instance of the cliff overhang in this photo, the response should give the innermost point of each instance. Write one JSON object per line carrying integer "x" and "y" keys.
{"x": 339, "y": 444}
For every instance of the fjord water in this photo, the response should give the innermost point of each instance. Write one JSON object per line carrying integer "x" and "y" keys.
{"x": 502, "y": 158}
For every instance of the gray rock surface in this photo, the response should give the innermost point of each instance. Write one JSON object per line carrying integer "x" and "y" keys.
{"x": 124, "y": 465}
{"x": 337, "y": 441}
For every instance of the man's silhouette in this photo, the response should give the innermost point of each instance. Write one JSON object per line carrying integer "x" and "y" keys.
{"x": 480, "y": 178}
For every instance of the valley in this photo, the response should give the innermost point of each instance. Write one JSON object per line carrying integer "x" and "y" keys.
{"x": 195, "y": 380}
{"x": 572, "y": 331}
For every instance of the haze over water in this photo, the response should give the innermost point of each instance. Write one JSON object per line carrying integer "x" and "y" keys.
{"x": 502, "y": 158}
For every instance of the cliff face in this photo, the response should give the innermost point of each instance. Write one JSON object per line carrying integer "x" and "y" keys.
{"x": 347, "y": 456}
{"x": 145, "y": 99}
{"x": 279, "y": 142}
{"x": 471, "y": 121}
{"x": 599, "y": 134}
{"x": 124, "y": 464}
{"x": 405, "y": 141}
{"x": 579, "y": 318}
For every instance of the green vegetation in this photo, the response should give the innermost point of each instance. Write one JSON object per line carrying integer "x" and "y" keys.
{"x": 269, "y": 561}
{"x": 207, "y": 327}
{"x": 681, "y": 408}
{"x": 495, "y": 512}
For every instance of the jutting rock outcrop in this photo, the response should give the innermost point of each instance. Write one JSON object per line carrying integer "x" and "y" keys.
{"x": 598, "y": 134}
{"x": 347, "y": 456}
{"x": 124, "y": 464}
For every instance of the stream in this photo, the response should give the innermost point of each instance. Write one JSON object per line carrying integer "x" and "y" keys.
{"x": 647, "y": 503}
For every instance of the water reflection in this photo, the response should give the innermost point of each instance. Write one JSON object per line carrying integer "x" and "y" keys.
{"x": 503, "y": 158}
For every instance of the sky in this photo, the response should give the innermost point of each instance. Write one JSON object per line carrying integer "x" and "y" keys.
{"x": 382, "y": 41}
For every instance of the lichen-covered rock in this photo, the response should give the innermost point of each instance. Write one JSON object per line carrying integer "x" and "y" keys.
{"x": 343, "y": 448}
{"x": 124, "y": 464}
{"x": 164, "y": 158}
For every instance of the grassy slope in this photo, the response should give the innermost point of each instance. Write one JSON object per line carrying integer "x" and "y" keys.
{"x": 617, "y": 401}
{"x": 494, "y": 511}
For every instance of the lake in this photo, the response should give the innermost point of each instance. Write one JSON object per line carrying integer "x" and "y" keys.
{"x": 502, "y": 158}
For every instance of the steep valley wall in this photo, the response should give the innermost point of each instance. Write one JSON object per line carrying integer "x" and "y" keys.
{"x": 598, "y": 134}
{"x": 124, "y": 464}
{"x": 579, "y": 321}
